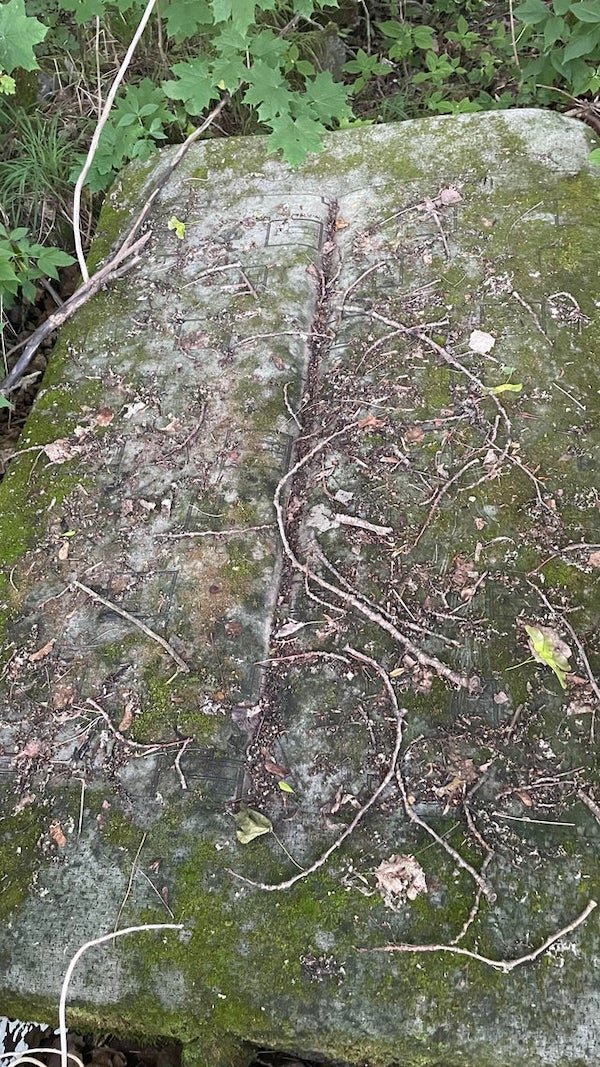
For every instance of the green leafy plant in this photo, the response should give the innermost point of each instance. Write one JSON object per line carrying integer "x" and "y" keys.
{"x": 39, "y": 154}
{"x": 289, "y": 68}
{"x": 566, "y": 37}
{"x": 23, "y": 263}
{"x": 138, "y": 124}
{"x": 19, "y": 35}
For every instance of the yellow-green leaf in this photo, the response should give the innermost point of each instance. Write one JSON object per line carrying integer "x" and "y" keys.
{"x": 176, "y": 224}
{"x": 251, "y": 824}
{"x": 285, "y": 788}
{"x": 508, "y": 387}
{"x": 548, "y": 648}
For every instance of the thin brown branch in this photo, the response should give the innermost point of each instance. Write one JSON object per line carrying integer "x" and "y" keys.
{"x": 506, "y": 966}
{"x": 124, "y": 258}
{"x": 374, "y": 616}
{"x": 147, "y": 749}
{"x": 454, "y": 855}
{"x": 136, "y": 622}
{"x": 236, "y": 531}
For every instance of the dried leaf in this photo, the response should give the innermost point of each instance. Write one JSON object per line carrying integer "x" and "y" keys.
{"x": 62, "y": 696}
{"x": 449, "y": 195}
{"x": 481, "y": 342}
{"x": 274, "y": 768}
{"x": 524, "y": 797}
{"x": 343, "y": 496}
{"x": 464, "y": 573}
{"x": 548, "y": 648}
{"x": 370, "y": 422}
{"x": 400, "y": 878}
{"x": 340, "y": 223}
{"x": 132, "y": 409}
{"x": 127, "y": 719}
{"x": 251, "y": 824}
{"x": 56, "y": 834}
{"x": 63, "y": 552}
{"x": 414, "y": 434}
{"x": 31, "y": 750}
{"x": 594, "y": 559}
{"x": 104, "y": 417}
{"x": 61, "y": 450}
{"x": 42, "y": 652}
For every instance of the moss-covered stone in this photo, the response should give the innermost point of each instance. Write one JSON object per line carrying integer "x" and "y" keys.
{"x": 144, "y": 593}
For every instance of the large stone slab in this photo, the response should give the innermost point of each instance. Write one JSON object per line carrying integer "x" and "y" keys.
{"x": 301, "y": 481}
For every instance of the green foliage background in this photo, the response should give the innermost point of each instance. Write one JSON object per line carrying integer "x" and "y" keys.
{"x": 291, "y": 68}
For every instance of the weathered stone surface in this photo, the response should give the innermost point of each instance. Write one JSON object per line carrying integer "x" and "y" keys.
{"x": 348, "y": 324}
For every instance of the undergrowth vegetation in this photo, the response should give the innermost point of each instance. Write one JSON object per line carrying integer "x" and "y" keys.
{"x": 288, "y": 68}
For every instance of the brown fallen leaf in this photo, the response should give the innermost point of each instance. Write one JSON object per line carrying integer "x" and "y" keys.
{"x": 63, "y": 552}
{"x": 42, "y": 652}
{"x": 31, "y": 750}
{"x": 594, "y": 559}
{"x": 340, "y": 223}
{"x": 414, "y": 434}
{"x": 524, "y": 797}
{"x": 275, "y": 768}
{"x": 104, "y": 417}
{"x": 453, "y": 790}
{"x": 449, "y": 195}
{"x": 62, "y": 696}
{"x": 464, "y": 573}
{"x": 56, "y": 834}
{"x": 400, "y": 878}
{"x": 370, "y": 422}
{"x": 127, "y": 719}
{"x": 61, "y": 450}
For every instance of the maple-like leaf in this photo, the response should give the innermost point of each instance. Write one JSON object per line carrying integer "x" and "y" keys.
{"x": 268, "y": 45}
{"x": 241, "y": 12}
{"x": 295, "y": 138}
{"x": 19, "y": 34}
{"x": 268, "y": 91}
{"x": 328, "y": 99}
{"x": 183, "y": 18}
{"x": 229, "y": 41}
{"x": 195, "y": 86}
{"x": 84, "y": 10}
{"x": 229, "y": 71}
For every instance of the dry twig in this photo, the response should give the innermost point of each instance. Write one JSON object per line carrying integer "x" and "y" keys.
{"x": 374, "y": 616}
{"x": 506, "y": 966}
{"x": 136, "y": 622}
